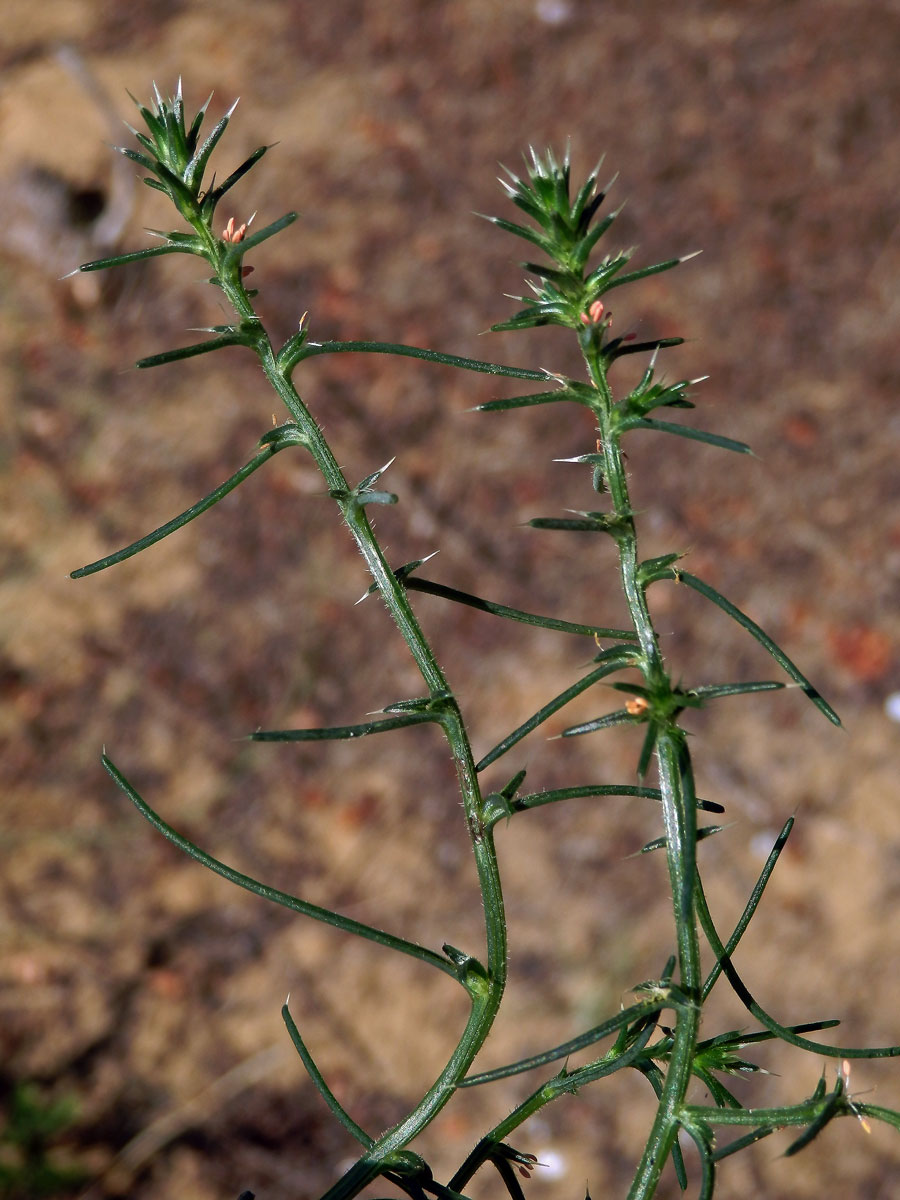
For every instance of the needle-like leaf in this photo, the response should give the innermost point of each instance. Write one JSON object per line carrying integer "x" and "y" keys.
{"x": 182, "y": 519}
{"x": 319, "y": 1081}
{"x": 762, "y": 637}
{"x": 342, "y": 732}
{"x": 347, "y": 924}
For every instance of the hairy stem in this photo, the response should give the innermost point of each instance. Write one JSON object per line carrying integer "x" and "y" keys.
{"x": 676, "y": 785}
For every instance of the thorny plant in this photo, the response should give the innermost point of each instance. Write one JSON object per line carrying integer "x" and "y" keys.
{"x": 670, "y": 1053}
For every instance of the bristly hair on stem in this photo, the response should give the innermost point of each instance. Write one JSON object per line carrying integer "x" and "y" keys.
{"x": 564, "y": 224}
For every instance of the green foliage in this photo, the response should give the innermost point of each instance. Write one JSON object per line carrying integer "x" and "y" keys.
{"x": 566, "y": 226}
{"x": 30, "y": 1165}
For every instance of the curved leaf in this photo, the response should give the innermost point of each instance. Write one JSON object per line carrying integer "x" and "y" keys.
{"x": 319, "y": 1082}
{"x": 538, "y": 799}
{"x": 762, "y": 637}
{"x": 182, "y": 519}
{"x": 784, "y": 1032}
{"x": 347, "y": 924}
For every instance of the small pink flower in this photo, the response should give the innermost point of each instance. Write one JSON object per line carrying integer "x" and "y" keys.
{"x": 594, "y": 314}
{"x": 230, "y": 234}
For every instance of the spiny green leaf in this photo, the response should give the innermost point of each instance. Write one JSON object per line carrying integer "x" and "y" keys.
{"x": 583, "y": 248}
{"x": 763, "y": 638}
{"x": 685, "y": 431}
{"x": 702, "y": 833}
{"x": 342, "y": 732}
{"x": 416, "y": 584}
{"x": 599, "y": 281}
{"x": 617, "y": 662}
{"x": 646, "y": 755}
{"x": 719, "y": 1092}
{"x": 189, "y": 241}
{"x": 619, "y": 347}
{"x": 184, "y": 518}
{"x": 830, "y": 1109}
{"x": 713, "y": 691}
{"x": 234, "y": 338}
{"x": 702, "y": 1137}
{"x": 737, "y": 1039}
{"x": 215, "y": 194}
{"x": 451, "y": 360}
{"x": 120, "y": 260}
{"x": 588, "y": 522}
{"x": 530, "y": 235}
{"x": 590, "y": 197}
{"x": 657, "y": 1080}
{"x": 620, "y": 717}
{"x": 369, "y": 497}
{"x": 282, "y": 436}
{"x": 319, "y": 1081}
{"x": 194, "y": 131}
{"x": 632, "y": 276}
{"x": 274, "y": 894}
{"x": 742, "y": 1143}
{"x": 149, "y": 164}
{"x": 742, "y": 992}
{"x": 557, "y": 396}
{"x": 197, "y": 165}
{"x": 537, "y": 799}
{"x": 365, "y": 484}
{"x": 436, "y": 702}
{"x": 625, "y": 1017}
{"x": 150, "y": 119}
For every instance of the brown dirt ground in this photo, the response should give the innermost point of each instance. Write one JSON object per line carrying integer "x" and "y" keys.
{"x": 149, "y": 990}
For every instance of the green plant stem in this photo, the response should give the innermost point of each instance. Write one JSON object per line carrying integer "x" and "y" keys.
{"x": 784, "y": 1115}
{"x": 678, "y": 796}
{"x": 565, "y": 1082}
{"x": 681, "y": 839}
{"x": 486, "y": 992}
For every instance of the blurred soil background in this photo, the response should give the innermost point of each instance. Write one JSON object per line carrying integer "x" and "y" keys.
{"x": 145, "y": 992}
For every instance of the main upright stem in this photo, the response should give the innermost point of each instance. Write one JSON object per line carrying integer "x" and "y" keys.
{"x": 676, "y": 786}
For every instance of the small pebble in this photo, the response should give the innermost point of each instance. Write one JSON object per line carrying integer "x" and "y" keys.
{"x": 553, "y": 12}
